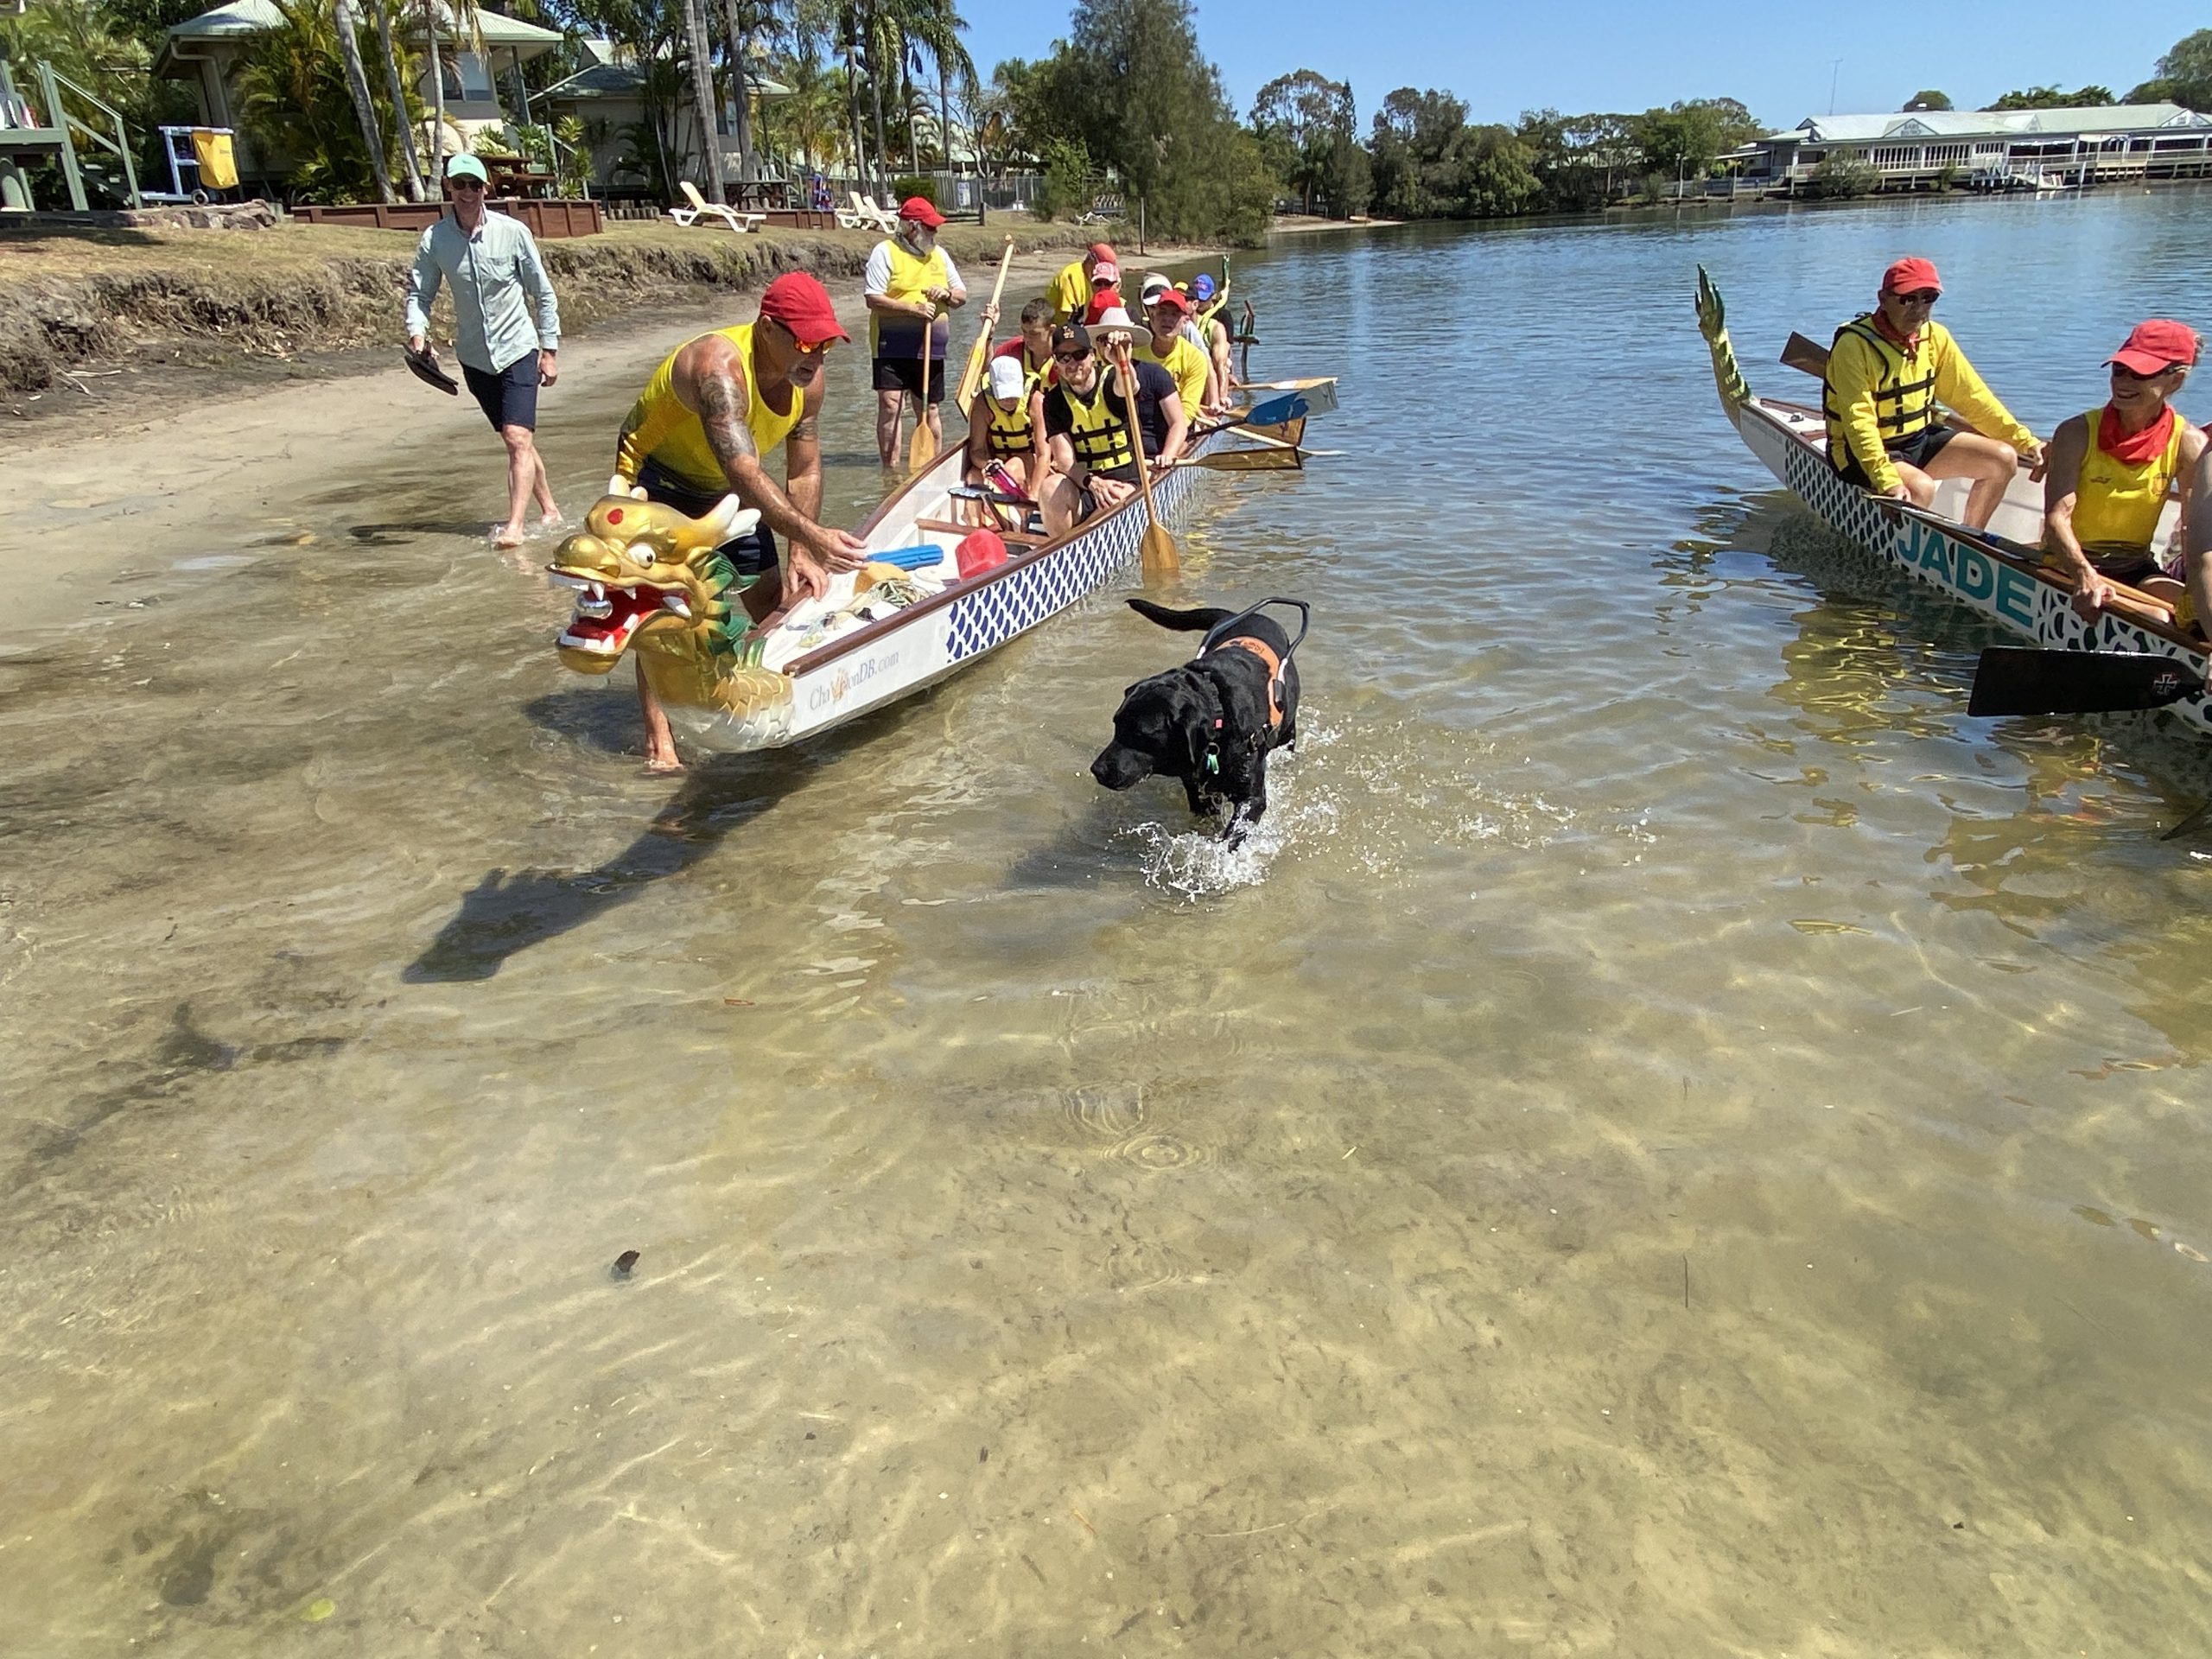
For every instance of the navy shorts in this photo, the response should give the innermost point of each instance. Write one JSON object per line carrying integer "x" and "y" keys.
{"x": 751, "y": 553}
{"x": 1918, "y": 450}
{"x": 904, "y": 374}
{"x": 509, "y": 397}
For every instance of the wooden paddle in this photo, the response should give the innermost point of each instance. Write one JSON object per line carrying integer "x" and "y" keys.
{"x": 971, "y": 378}
{"x": 1799, "y": 353}
{"x": 921, "y": 448}
{"x": 2020, "y": 680}
{"x": 1157, "y": 551}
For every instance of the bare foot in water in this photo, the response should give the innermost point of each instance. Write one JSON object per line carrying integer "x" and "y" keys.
{"x": 664, "y": 762}
{"x": 550, "y": 522}
{"x": 508, "y": 534}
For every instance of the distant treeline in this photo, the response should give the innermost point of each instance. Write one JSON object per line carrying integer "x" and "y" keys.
{"x": 1420, "y": 157}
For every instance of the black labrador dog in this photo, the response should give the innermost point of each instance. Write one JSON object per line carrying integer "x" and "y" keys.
{"x": 1212, "y": 720}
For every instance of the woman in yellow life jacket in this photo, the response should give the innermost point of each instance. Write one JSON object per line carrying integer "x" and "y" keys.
{"x": 910, "y": 285}
{"x": 1887, "y": 373}
{"x": 2110, "y": 469}
{"x": 1005, "y": 424}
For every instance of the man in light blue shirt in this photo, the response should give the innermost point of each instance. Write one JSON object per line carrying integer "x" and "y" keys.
{"x": 490, "y": 260}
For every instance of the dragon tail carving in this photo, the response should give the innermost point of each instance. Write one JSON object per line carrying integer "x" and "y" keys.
{"x": 1712, "y": 323}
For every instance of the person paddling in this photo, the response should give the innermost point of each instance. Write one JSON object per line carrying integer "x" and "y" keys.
{"x": 1887, "y": 372}
{"x": 2111, "y": 468}
{"x": 1093, "y": 456}
{"x": 702, "y": 428}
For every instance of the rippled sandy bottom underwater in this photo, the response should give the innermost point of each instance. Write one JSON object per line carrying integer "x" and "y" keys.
{"x": 1672, "y": 1141}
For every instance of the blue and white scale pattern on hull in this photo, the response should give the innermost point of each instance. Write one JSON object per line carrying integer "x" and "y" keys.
{"x": 996, "y": 612}
{"x": 2036, "y": 610}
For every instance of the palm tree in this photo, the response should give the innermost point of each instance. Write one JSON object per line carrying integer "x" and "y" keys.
{"x": 703, "y": 93}
{"x": 938, "y": 27}
{"x": 382, "y": 14}
{"x": 357, "y": 83}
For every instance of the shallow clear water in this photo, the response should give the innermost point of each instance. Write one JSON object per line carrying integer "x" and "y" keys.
{"x": 1672, "y": 1141}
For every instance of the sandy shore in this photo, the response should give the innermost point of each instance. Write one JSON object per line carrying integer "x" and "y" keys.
{"x": 125, "y": 488}
{"x": 1307, "y": 223}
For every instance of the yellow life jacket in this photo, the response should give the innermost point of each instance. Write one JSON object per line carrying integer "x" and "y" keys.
{"x": 1220, "y": 299}
{"x": 1010, "y": 434}
{"x": 1099, "y": 435}
{"x": 910, "y": 278}
{"x": 660, "y": 429}
{"x": 1905, "y": 397}
{"x": 2116, "y": 507}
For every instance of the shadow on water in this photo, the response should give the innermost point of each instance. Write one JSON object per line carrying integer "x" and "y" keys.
{"x": 504, "y": 915}
{"x": 398, "y": 534}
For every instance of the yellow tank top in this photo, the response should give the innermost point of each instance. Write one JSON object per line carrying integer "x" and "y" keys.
{"x": 660, "y": 429}
{"x": 1187, "y": 364}
{"x": 2116, "y": 507}
{"x": 910, "y": 278}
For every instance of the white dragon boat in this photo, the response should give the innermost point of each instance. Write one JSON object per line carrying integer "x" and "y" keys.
{"x": 649, "y": 581}
{"x": 1998, "y": 572}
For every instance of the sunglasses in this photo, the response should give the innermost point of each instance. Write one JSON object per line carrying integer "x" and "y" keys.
{"x": 805, "y": 347}
{"x": 1070, "y": 357}
{"x": 1921, "y": 296}
{"x": 2122, "y": 370}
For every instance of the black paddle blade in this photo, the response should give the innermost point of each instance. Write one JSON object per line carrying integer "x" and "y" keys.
{"x": 2014, "y": 680}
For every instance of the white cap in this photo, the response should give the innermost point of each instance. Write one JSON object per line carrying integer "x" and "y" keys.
{"x": 1115, "y": 317}
{"x": 1006, "y": 377}
{"x": 1153, "y": 285}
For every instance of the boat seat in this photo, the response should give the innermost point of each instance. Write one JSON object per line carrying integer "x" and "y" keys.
{"x": 946, "y": 527}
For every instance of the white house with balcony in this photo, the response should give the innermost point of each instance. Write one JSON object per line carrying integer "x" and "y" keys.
{"x": 2000, "y": 148}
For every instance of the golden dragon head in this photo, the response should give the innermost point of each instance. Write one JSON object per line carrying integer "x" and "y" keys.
{"x": 648, "y": 578}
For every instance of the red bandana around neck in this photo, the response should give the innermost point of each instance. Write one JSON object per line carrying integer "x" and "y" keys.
{"x": 2133, "y": 449}
{"x": 1910, "y": 342}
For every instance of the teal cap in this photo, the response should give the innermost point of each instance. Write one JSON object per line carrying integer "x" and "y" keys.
{"x": 467, "y": 167}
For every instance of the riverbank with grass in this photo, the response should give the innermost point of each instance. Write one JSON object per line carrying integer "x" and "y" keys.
{"x": 117, "y": 322}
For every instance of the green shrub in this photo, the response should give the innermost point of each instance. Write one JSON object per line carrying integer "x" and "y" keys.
{"x": 916, "y": 186}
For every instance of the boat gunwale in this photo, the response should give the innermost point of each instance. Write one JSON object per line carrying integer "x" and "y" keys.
{"x": 1979, "y": 540}
{"x": 885, "y": 627}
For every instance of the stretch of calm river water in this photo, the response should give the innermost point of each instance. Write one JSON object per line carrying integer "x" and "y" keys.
{"x": 1673, "y": 1141}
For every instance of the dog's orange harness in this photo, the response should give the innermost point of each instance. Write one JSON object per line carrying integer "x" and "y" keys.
{"x": 1266, "y": 653}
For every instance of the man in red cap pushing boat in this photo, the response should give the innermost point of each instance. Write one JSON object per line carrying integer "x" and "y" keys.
{"x": 2110, "y": 469}
{"x": 1887, "y": 373}
{"x": 911, "y": 284}
{"x": 701, "y": 429}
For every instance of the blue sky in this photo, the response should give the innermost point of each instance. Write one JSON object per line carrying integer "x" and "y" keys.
{"x": 1610, "y": 55}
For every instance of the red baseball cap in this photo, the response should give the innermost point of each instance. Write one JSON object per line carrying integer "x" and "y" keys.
{"x": 1175, "y": 297}
{"x": 2153, "y": 347}
{"x": 802, "y": 305}
{"x": 1912, "y": 276}
{"x": 1102, "y": 254}
{"x": 922, "y": 211}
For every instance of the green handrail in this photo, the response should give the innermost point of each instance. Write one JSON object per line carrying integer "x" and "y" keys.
{"x": 51, "y": 81}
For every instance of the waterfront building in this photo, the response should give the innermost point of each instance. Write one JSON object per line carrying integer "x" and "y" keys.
{"x": 2002, "y": 150}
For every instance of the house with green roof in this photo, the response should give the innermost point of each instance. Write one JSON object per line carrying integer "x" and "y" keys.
{"x": 207, "y": 51}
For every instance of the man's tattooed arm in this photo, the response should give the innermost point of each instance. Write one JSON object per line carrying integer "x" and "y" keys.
{"x": 721, "y": 413}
